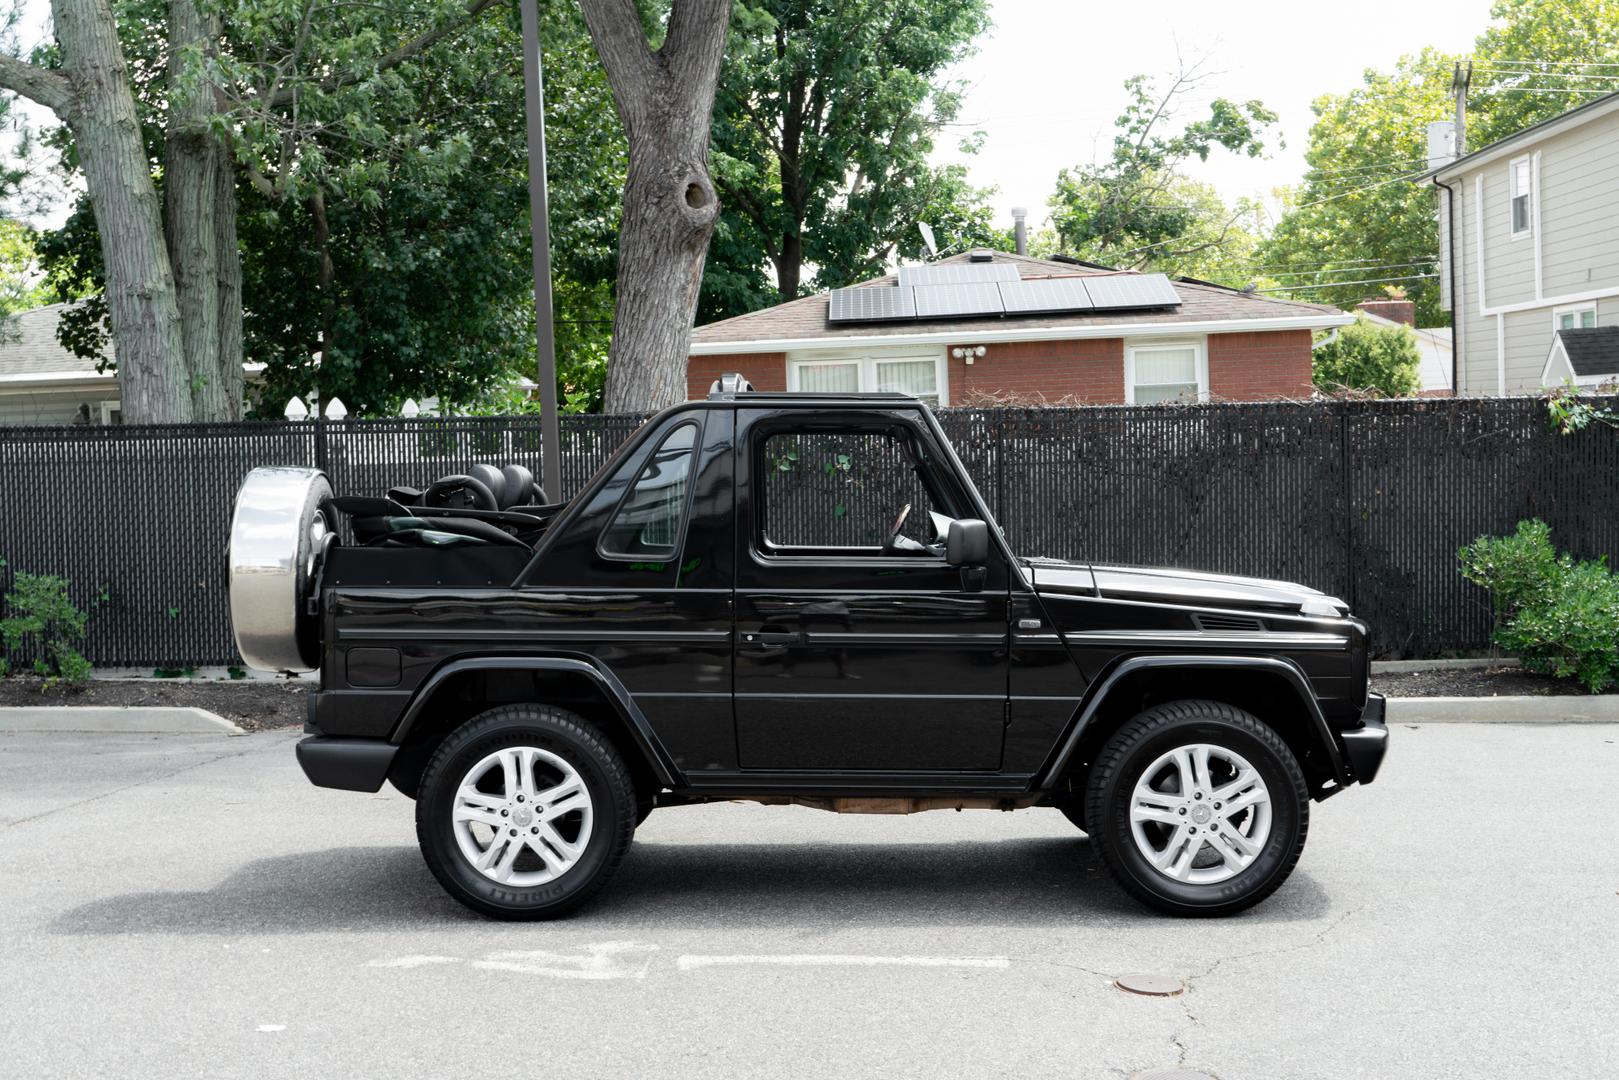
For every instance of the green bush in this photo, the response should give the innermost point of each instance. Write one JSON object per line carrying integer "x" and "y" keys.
{"x": 1370, "y": 356}
{"x": 42, "y": 619}
{"x": 1558, "y": 616}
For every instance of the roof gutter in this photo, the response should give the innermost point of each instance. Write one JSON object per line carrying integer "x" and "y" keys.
{"x": 1503, "y": 147}
{"x": 1450, "y": 273}
{"x": 1039, "y": 333}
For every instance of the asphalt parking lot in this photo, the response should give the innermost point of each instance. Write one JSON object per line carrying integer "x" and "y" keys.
{"x": 189, "y": 906}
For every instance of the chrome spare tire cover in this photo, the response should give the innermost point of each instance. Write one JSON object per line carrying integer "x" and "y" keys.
{"x": 278, "y": 535}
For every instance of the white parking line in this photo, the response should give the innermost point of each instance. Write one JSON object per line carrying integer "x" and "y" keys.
{"x": 691, "y": 962}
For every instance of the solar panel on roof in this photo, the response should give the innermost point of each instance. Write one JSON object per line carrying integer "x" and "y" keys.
{"x": 1131, "y": 291}
{"x": 954, "y": 301}
{"x": 956, "y": 274}
{"x": 1045, "y": 294}
{"x": 874, "y": 304}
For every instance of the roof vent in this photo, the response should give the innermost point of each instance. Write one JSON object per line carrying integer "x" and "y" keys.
{"x": 730, "y": 383}
{"x": 980, "y": 255}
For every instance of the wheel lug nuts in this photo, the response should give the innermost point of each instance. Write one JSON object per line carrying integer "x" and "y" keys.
{"x": 1181, "y": 811}
{"x": 535, "y": 830}
{"x": 514, "y": 832}
{"x": 504, "y": 813}
{"x": 519, "y": 798}
{"x": 1199, "y": 795}
{"x": 1217, "y": 806}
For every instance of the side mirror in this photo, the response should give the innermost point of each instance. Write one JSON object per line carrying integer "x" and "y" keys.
{"x": 967, "y": 543}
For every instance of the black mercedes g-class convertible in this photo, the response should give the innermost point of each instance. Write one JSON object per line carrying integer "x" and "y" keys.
{"x": 716, "y": 616}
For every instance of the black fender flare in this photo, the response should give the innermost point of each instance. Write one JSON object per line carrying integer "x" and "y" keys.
{"x": 646, "y": 740}
{"x": 1268, "y": 664}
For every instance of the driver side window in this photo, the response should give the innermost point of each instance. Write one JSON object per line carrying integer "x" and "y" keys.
{"x": 839, "y": 492}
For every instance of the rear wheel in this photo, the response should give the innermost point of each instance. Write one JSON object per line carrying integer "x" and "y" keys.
{"x": 525, "y": 812}
{"x": 1197, "y": 808}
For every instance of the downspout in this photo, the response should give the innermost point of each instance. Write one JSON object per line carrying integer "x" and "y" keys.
{"x": 1455, "y": 297}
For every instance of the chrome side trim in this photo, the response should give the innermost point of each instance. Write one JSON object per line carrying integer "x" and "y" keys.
{"x": 1216, "y": 638}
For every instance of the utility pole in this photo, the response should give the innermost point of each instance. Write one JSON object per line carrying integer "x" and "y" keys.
{"x": 1460, "y": 81}
{"x": 540, "y": 233}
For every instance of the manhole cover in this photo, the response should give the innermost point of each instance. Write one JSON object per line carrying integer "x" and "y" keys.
{"x": 1150, "y": 985}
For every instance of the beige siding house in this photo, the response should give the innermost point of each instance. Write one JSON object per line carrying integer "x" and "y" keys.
{"x": 1530, "y": 247}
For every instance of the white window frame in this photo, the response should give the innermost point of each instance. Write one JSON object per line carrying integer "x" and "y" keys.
{"x": 1575, "y": 310}
{"x": 1513, "y": 193}
{"x": 107, "y": 409}
{"x": 1199, "y": 345}
{"x": 868, "y": 361}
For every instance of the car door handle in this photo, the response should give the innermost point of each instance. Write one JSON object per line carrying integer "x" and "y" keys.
{"x": 771, "y": 639}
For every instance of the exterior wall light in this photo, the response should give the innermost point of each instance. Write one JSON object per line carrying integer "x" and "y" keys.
{"x": 968, "y": 353}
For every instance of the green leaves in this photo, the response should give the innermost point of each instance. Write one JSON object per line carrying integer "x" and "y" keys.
{"x": 824, "y": 121}
{"x": 1137, "y": 208}
{"x": 1370, "y": 356}
{"x": 1556, "y": 615}
{"x": 42, "y": 620}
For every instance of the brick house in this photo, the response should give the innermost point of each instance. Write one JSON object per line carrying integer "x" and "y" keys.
{"x": 1159, "y": 341}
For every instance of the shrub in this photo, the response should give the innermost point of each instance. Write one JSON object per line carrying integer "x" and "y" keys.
{"x": 1369, "y": 356}
{"x": 43, "y": 620}
{"x": 1558, "y": 616}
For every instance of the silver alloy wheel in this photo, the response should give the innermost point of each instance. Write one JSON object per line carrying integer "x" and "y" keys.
{"x": 1200, "y": 814}
{"x": 522, "y": 816}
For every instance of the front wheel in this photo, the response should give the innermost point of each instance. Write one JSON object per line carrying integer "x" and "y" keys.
{"x": 525, "y": 812}
{"x": 1198, "y": 808}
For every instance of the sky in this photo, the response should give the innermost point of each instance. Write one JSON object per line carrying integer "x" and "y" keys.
{"x": 1047, "y": 82}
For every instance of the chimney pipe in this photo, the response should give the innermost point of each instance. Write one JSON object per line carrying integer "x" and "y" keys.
{"x": 1020, "y": 230}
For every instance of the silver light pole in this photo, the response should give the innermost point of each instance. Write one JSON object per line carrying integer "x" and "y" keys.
{"x": 540, "y": 229}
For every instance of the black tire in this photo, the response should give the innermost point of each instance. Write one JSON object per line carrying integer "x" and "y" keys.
{"x": 583, "y": 747}
{"x": 1131, "y": 752}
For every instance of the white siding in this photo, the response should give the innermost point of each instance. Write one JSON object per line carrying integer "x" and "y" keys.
{"x": 1574, "y": 243}
{"x": 45, "y": 406}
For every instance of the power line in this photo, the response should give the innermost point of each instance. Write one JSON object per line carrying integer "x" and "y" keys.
{"x": 1348, "y": 269}
{"x": 1533, "y": 73}
{"x": 1547, "y": 63}
{"x": 1375, "y": 167}
{"x": 1354, "y": 191}
{"x": 1346, "y": 284}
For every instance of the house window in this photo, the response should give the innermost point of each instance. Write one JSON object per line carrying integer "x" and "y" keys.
{"x": 1582, "y": 317}
{"x": 112, "y": 413}
{"x": 828, "y": 377}
{"x": 1523, "y": 190}
{"x": 1159, "y": 373}
{"x": 920, "y": 376}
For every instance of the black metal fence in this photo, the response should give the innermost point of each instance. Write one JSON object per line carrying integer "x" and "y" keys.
{"x": 1366, "y": 500}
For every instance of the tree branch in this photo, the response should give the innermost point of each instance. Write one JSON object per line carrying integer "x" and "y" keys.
{"x": 36, "y": 84}
{"x": 406, "y": 52}
{"x": 615, "y": 28}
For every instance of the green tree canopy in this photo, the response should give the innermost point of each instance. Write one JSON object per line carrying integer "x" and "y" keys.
{"x": 1357, "y": 217}
{"x": 826, "y": 115}
{"x": 384, "y": 221}
{"x": 1139, "y": 209}
{"x": 1370, "y": 356}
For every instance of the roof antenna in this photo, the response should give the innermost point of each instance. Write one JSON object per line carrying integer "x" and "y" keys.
{"x": 927, "y": 238}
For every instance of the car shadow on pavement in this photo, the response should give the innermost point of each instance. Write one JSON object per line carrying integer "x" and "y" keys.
{"x": 1027, "y": 882}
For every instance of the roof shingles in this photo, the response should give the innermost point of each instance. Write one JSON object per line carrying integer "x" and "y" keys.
{"x": 806, "y": 318}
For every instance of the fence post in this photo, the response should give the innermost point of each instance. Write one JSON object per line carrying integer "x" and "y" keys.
{"x": 320, "y": 442}
{"x": 1000, "y": 473}
{"x": 1347, "y": 480}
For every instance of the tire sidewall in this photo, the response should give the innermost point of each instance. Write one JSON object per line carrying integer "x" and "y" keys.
{"x": 1287, "y": 815}
{"x": 611, "y": 809}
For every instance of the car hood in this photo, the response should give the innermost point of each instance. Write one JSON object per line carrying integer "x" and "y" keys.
{"x": 1180, "y": 587}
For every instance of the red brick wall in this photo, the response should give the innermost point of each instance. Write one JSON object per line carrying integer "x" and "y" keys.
{"x": 1259, "y": 366}
{"x": 1242, "y": 367}
{"x": 766, "y": 371}
{"x": 1087, "y": 372}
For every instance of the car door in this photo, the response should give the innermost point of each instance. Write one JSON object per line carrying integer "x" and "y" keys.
{"x": 847, "y": 657}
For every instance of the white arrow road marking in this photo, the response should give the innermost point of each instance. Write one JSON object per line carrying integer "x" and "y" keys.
{"x": 414, "y": 961}
{"x": 609, "y": 960}
{"x": 691, "y": 962}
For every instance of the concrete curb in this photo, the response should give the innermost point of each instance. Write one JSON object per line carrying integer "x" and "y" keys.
{"x": 115, "y": 720}
{"x": 1507, "y": 709}
{"x": 1410, "y": 667}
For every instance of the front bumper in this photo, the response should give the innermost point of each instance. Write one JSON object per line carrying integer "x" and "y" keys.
{"x": 349, "y": 764}
{"x": 1366, "y": 745}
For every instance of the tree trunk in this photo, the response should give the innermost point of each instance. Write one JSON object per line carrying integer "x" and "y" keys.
{"x": 140, "y": 288}
{"x": 200, "y": 223}
{"x": 665, "y": 100}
